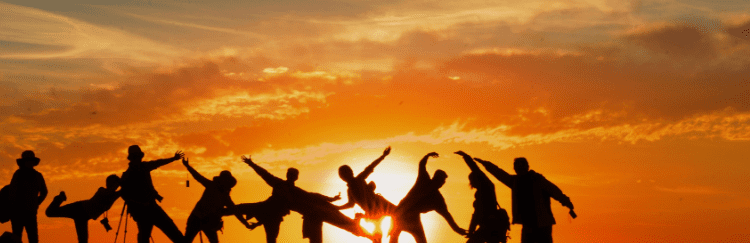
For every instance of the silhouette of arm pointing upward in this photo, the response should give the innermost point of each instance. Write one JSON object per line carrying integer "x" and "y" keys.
{"x": 270, "y": 179}
{"x": 198, "y": 177}
{"x": 370, "y": 168}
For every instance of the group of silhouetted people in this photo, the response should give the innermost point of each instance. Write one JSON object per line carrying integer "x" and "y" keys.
{"x": 531, "y": 194}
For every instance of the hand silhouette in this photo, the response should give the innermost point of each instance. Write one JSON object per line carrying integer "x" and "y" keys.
{"x": 247, "y": 160}
{"x": 179, "y": 155}
{"x": 185, "y": 161}
{"x": 463, "y": 232}
{"x": 387, "y": 151}
{"x": 252, "y": 226}
{"x": 433, "y": 154}
{"x": 337, "y": 197}
{"x": 462, "y": 153}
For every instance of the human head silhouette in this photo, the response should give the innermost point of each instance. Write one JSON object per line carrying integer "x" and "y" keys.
{"x": 439, "y": 178}
{"x": 28, "y": 159}
{"x": 225, "y": 180}
{"x": 135, "y": 154}
{"x": 113, "y": 182}
{"x": 346, "y": 173}
{"x": 520, "y": 165}
{"x": 292, "y": 174}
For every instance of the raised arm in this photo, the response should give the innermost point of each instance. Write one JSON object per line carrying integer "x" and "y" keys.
{"x": 198, "y": 177}
{"x": 368, "y": 170}
{"x": 423, "y": 165}
{"x": 469, "y": 161}
{"x": 270, "y": 179}
{"x": 500, "y": 174}
{"x": 152, "y": 165}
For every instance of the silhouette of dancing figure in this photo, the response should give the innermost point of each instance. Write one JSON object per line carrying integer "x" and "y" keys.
{"x": 531, "y": 194}
{"x": 360, "y": 192}
{"x": 206, "y": 216}
{"x": 270, "y": 212}
{"x": 423, "y": 197}
{"x": 315, "y": 208}
{"x": 30, "y": 191}
{"x": 82, "y": 211}
{"x": 140, "y": 195}
{"x": 486, "y": 213}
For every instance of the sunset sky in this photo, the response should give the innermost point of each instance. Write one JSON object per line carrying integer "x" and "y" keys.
{"x": 638, "y": 110}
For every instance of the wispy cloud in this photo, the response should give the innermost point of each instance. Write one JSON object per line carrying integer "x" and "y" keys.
{"x": 77, "y": 39}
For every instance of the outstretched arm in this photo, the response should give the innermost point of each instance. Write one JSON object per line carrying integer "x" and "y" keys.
{"x": 198, "y": 177}
{"x": 556, "y": 193}
{"x": 368, "y": 170}
{"x": 442, "y": 209}
{"x": 500, "y": 174}
{"x": 152, "y": 165}
{"x": 270, "y": 179}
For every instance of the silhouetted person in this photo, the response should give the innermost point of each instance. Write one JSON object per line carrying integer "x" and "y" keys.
{"x": 423, "y": 197}
{"x": 531, "y": 194}
{"x": 30, "y": 190}
{"x": 315, "y": 208}
{"x": 486, "y": 215}
{"x": 82, "y": 211}
{"x": 360, "y": 192}
{"x": 270, "y": 212}
{"x": 140, "y": 196}
{"x": 206, "y": 216}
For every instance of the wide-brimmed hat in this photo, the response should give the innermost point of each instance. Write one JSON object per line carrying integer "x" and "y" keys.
{"x": 134, "y": 151}
{"x": 28, "y": 156}
{"x": 226, "y": 180}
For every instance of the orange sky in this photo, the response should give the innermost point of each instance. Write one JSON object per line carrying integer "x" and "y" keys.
{"x": 637, "y": 110}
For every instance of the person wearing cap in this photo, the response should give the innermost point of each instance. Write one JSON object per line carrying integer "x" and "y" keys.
{"x": 30, "y": 191}
{"x": 530, "y": 198}
{"x": 140, "y": 196}
{"x": 206, "y": 216}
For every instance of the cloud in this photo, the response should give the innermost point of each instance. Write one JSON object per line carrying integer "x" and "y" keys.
{"x": 76, "y": 39}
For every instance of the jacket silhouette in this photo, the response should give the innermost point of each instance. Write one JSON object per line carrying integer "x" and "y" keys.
{"x": 140, "y": 196}
{"x": 83, "y": 211}
{"x": 29, "y": 190}
{"x": 531, "y": 194}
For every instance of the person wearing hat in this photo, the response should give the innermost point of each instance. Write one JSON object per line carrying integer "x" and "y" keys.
{"x": 30, "y": 192}
{"x": 206, "y": 216}
{"x": 140, "y": 196}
